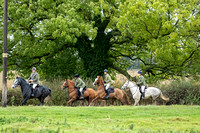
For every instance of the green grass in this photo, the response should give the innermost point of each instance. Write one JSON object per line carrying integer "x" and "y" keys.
{"x": 100, "y": 119}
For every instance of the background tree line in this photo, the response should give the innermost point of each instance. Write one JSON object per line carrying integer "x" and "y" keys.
{"x": 64, "y": 37}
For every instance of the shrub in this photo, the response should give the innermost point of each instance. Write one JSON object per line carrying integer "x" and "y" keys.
{"x": 179, "y": 92}
{"x": 182, "y": 92}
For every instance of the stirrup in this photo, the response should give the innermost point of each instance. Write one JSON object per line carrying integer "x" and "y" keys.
{"x": 81, "y": 97}
{"x": 107, "y": 96}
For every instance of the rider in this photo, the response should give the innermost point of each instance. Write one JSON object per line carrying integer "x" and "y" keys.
{"x": 79, "y": 84}
{"x": 141, "y": 83}
{"x": 34, "y": 79}
{"x": 108, "y": 81}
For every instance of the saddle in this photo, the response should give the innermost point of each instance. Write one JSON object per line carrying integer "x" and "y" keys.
{"x": 110, "y": 89}
{"x": 78, "y": 90}
{"x": 31, "y": 85}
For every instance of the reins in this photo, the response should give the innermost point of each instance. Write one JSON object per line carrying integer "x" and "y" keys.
{"x": 68, "y": 89}
{"x": 135, "y": 89}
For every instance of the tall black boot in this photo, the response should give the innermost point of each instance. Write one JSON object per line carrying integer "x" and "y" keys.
{"x": 33, "y": 93}
{"x": 143, "y": 95}
{"x": 107, "y": 94}
{"x": 81, "y": 97}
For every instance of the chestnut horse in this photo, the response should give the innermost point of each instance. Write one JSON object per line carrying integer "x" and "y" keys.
{"x": 118, "y": 94}
{"x": 89, "y": 94}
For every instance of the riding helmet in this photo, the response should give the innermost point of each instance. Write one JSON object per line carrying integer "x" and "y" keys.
{"x": 105, "y": 70}
{"x": 76, "y": 75}
{"x": 34, "y": 68}
{"x": 139, "y": 72}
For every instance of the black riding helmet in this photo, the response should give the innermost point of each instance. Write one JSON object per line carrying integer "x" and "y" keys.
{"x": 76, "y": 75}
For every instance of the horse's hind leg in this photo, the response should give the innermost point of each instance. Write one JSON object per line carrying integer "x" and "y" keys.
{"x": 40, "y": 99}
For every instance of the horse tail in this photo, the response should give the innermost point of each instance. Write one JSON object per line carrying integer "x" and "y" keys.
{"x": 50, "y": 92}
{"x": 126, "y": 97}
{"x": 163, "y": 97}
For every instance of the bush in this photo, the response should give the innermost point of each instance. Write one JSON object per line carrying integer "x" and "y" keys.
{"x": 179, "y": 92}
{"x": 182, "y": 92}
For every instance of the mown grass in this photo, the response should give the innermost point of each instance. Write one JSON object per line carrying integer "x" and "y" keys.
{"x": 100, "y": 119}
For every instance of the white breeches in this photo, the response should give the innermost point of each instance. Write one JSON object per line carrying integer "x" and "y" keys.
{"x": 81, "y": 89}
{"x": 34, "y": 85}
{"x": 143, "y": 88}
{"x": 107, "y": 86}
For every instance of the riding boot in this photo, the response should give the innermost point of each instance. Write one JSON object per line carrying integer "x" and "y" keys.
{"x": 33, "y": 92}
{"x": 143, "y": 95}
{"x": 107, "y": 95}
{"x": 81, "y": 97}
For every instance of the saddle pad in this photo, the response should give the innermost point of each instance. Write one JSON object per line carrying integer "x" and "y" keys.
{"x": 111, "y": 90}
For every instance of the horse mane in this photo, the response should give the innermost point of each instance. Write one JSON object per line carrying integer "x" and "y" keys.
{"x": 101, "y": 80}
{"x": 22, "y": 79}
{"x": 71, "y": 82}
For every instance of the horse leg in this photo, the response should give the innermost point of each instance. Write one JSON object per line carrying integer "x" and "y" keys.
{"x": 113, "y": 102}
{"x": 45, "y": 94}
{"x": 136, "y": 102}
{"x": 71, "y": 101}
{"x": 93, "y": 100}
{"x": 24, "y": 101}
{"x": 39, "y": 98}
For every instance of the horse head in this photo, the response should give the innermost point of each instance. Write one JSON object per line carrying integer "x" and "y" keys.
{"x": 67, "y": 84}
{"x": 16, "y": 82}
{"x": 98, "y": 81}
{"x": 125, "y": 85}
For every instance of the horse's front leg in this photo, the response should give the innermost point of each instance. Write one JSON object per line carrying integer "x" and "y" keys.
{"x": 24, "y": 101}
{"x": 93, "y": 100}
{"x": 71, "y": 101}
{"x": 136, "y": 102}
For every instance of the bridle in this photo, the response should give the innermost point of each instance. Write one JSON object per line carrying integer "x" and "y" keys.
{"x": 66, "y": 86}
{"x": 128, "y": 84}
{"x": 99, "y": 82}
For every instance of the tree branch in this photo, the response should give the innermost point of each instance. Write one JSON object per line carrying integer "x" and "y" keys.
{"x": 125, "y": 73}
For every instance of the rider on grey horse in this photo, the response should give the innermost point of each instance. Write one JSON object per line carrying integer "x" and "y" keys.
{"x": 34, "y": 79}
{"x": 108, "y": 82}
{"x": 141, "y": 84}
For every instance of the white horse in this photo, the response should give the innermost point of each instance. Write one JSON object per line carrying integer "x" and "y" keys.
{"x": 149, "y": 92}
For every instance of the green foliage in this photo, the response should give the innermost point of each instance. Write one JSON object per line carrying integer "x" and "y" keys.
{"x": 184, "y": 92}
{"x": 164, "y": 35}
{"x": 89, "y": 36}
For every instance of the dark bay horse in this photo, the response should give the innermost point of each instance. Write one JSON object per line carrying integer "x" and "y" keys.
{"x": 118, "y": 94}
{"x": 41, "y": 92}
{"x": 89, "y": 94}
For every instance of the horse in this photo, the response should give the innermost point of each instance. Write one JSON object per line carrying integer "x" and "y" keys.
{"x": 41, "y": 92}
{"x": 149, "y": 92}
{"x": 118, "y": 94}
{"x": 89, "y": 93}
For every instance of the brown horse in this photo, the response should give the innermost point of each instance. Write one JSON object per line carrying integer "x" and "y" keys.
{"x": 118, "y": 94}
{"x": 89, "y": 94}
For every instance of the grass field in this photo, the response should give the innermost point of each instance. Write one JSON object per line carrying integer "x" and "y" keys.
{"x": 100, "y": 119}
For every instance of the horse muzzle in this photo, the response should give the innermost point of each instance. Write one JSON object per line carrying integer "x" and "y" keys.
{"x": 13, "y": 86}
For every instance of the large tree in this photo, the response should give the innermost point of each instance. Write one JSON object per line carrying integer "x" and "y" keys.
{"x": 65, "y": 35}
